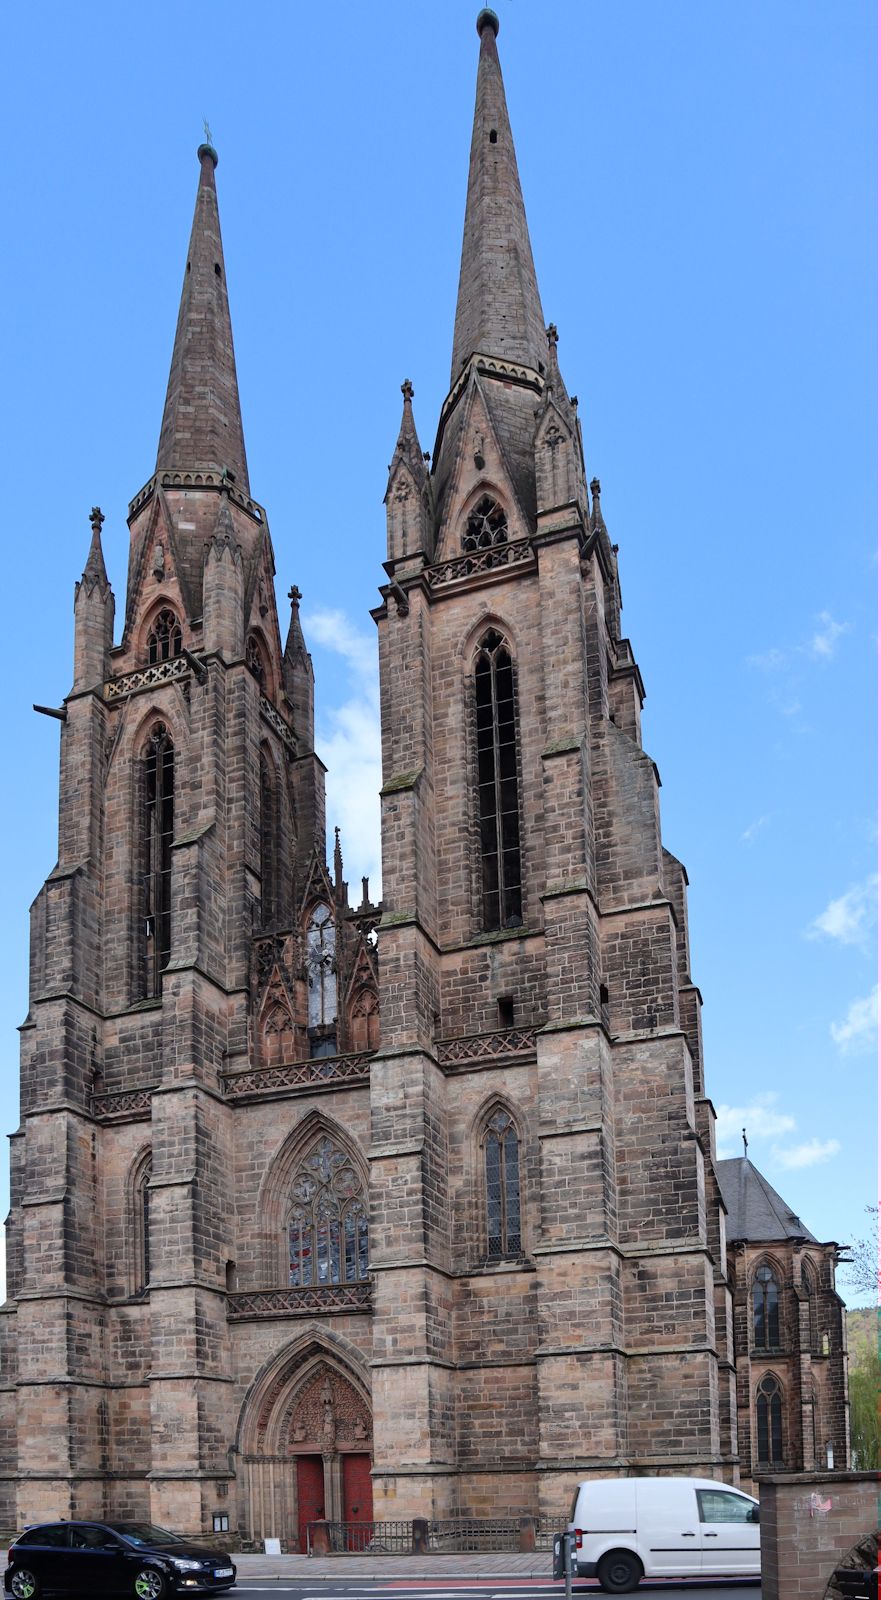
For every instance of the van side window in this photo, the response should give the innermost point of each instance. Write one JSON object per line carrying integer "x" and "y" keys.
{"x": 716, "y": 1506}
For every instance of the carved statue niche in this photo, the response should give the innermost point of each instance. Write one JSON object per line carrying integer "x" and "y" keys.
{"x": 326, "y": 1414}
{"x": 277, "y": 1033}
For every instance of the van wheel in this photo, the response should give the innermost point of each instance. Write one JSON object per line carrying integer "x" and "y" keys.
{"x": 619, "y": 1571}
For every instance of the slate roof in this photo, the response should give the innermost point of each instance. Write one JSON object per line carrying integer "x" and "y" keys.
{"x": 755, "y": 1210}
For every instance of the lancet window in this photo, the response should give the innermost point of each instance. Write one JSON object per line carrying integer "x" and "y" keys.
{"x": 501, "y": 1153}
{"x": 269, "y": 840}
{"x": 164, "y": 639}
{"x": 328, "y": 1227}
{"x": 498, "y": 804}
{"x": 486, "y": 526}
{"x": 157, "y": 824}
{"x": 769, "y": 1422}
{"x": 766, "y": 1310}
{"x": 321, "y": 971}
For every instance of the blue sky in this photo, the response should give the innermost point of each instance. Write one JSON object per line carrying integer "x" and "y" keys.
{"x": 700, "y": 185}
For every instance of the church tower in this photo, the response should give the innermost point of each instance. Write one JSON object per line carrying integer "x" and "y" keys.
{"x": 190, "y": 936}
{"x": 547, "y": 1234}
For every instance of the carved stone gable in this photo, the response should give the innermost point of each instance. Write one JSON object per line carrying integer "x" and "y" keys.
{"x": 326, "y": 1414}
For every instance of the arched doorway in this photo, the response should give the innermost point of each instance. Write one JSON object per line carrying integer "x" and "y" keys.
{"x": 306, "y": 1447}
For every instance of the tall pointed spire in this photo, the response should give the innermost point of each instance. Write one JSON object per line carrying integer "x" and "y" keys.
{"x": 202, "y": 421}
{"x": 499, "y": 309}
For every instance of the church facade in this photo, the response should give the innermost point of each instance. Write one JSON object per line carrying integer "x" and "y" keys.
{"x": 327, "y": 1208}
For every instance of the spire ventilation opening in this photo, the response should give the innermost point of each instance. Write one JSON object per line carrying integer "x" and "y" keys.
{"x": 494, "y": 136}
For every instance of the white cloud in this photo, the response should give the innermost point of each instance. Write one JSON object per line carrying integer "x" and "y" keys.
{"x": 859, "y": 1026}
{"x": 825, "y": 640}
{"x": 848, "y": 918}
{"x": 810, "y": 1154}
{"x": 760, "y": 1117}
{"x": 769, "y": 660}
{"x": 755, "y": 828}
{"x": 348, "y": 741}
{"x": 821, "y": 646}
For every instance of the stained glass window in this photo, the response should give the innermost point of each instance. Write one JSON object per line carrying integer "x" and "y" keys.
{"x": 158, "y": 831}
{"x": 498, "y": 806}
{"x": 328, "y": 1230}
{"x": 766, "y": 1310}
{"x": 769, "y": 1422}
{"x": 502, "y": 1162}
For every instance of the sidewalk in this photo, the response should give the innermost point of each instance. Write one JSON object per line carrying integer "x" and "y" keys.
{"x": 346, "y": 1569}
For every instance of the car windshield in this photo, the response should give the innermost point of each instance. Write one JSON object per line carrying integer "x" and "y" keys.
{"x": 145, "y": 1533}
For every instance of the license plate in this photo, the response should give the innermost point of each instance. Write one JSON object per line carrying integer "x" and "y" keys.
{"x": 223, "y": 1572}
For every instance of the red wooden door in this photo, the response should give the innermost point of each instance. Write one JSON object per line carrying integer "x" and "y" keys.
{"x": 357, "y": 1498}
{"x": 310, "y": 1495}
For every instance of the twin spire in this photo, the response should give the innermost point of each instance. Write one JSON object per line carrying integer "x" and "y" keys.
{"x": 202, "y": 421}
{"x": 498, "y": 312}
{"x": 499, "y": 308}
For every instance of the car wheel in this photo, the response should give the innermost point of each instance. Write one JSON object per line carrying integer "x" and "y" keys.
{"x": 150, "y": 1584}
{"x": 24, "y": 1584}
{"x": 619, "y": 1571}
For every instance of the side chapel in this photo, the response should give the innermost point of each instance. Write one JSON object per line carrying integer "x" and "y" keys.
{"x": 339, "y": 1209}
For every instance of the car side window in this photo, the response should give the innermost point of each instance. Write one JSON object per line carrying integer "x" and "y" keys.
{"x": 85, "y": 1538}
{"x": 52, "y": 1536}
{"x": 716, "y": 1506}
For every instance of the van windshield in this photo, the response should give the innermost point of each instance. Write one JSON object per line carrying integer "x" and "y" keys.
{"x": 574, "y": 1503}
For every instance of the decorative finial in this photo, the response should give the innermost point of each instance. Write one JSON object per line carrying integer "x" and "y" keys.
{"x": 96, "y": 517}
{"x": 745, "y": 1140}
{"x": 594, "y": 486}
{"x": 295, "y": 595}
{"x": 487, "y": 19}
{"x": 207, "y": 148}
{"x": 553, "y": 336}
{"x": 407, "y": 390}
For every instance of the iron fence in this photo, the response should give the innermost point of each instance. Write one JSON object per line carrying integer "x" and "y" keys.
{"x": 446, "y": 1536}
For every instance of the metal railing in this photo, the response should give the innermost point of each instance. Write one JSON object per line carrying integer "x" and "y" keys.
{"x": 444, "y": 1536}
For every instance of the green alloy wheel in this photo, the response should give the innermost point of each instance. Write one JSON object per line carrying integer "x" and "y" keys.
{"x": 24, "y": 1585}
{"x": 150, "y": 1584}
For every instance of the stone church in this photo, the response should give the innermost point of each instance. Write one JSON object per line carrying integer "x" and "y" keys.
{"x": 327, "y": 1208}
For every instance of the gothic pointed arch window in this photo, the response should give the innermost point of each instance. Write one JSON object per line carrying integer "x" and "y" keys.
{"x": 486, "y": 525}
{"x": 321, "y": 977}
{"x": 766, "y": 1309}
{"x": 157, "y": 832}
{"x": 139, "y": 1222}
{"x": 328, "y": 1224}
{"x": 255, "y": 660}
{"x": 769, "y": 1422}
{"x": 269, "y": 839}
{"x": 809, "y": 1284}
{"x": 498, "y": 808}
{"x": 164, "y": 640}
{"x": 501, "y": 1170}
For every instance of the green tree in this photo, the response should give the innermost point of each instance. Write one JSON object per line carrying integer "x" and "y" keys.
{"x": 864, "y": 1387}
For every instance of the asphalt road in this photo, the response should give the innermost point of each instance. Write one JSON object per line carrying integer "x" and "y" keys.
{"x": 463, "y": 1589}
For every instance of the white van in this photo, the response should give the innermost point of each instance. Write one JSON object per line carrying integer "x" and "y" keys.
{"x": 629, "y": 1528}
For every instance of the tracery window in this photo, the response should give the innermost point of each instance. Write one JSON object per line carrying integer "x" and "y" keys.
{"x": 498, "y": 806}
{"x": 157, "y": 825}
{"x": 501, "y": 1151}
{"x": 254, "y": 661}
{"x": 164, "y": 639}
{"x": 364, "y": 1021}
{"x": 769, "y": 1422}
{"x": 809, "y": 1282}
{"x": 321, "y": 976}
{"x": 328, "y": 1227}
{"x": 486, "y": 526}
{"x": 766, "y": 1310}
{"x": 269, "y": 842}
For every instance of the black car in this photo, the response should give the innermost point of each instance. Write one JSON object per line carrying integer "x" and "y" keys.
{"x": 125, "y": 1558}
